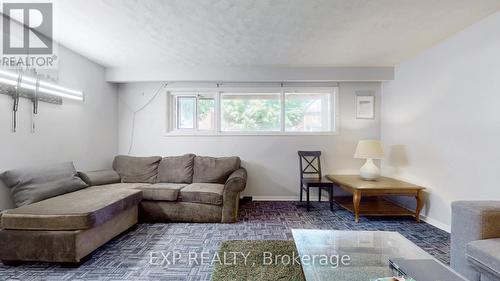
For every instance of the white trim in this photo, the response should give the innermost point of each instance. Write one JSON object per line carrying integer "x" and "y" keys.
{"x": 168, "y": 116}
{"x": 283, "y": 111}
{"x": 217, "y": 113}
{"x": 428, "y": 220}
{"x": 436, "y": 223}
{"x": 336, "y": 113}
{"x": 191, "y": 133}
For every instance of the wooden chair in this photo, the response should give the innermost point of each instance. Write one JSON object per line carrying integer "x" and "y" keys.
{"x": 312, "y": 162}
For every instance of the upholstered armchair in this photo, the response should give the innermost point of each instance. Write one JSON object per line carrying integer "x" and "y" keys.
{"x": 475, "y": 239}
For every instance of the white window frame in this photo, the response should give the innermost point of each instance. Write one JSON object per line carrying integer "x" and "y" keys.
{"x": 195, "y": 112}
{"x": 172, "y": 108}
{"x": 217, "y": 93}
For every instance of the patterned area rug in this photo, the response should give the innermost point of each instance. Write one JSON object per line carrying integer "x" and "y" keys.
{"x": 183, "y": 251}
{"x": 243, "y": 260}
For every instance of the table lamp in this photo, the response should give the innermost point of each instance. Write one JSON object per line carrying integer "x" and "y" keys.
{"x": 369, "y": 150}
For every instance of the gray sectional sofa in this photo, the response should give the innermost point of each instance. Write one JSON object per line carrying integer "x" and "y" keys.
{"x": 475, "y": 239}
{"x": 67, "y": 227}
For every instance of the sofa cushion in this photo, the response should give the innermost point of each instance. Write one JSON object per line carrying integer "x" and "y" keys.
{"x": 35, "y": 184}
{"x": 137, "y": 169}
{"x": 161, "y": 191}
{"x": 176, "y": 169}
{"x": 100, "y": 177}
{"x": 208, "y": 193}
{"x": 163, "y": 211}
{"x": 77, "y": 210}
{"x": 214, "y": 170}
{"x": 124, "y": 185}
{"x": 485, "y": 254}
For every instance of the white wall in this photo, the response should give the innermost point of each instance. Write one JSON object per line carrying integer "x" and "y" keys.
{"x": 272, "y": 161}
{"x": 440, "y": 119}
{"x": 85, "y": 133}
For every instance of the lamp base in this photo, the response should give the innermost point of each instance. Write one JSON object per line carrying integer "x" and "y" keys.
{"x": 369, "y": 171}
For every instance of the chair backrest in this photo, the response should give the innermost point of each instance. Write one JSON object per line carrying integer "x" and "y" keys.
{"x": 310, "y": 163}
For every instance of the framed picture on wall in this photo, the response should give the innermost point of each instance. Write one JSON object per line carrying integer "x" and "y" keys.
{"x": 365, "y": 106}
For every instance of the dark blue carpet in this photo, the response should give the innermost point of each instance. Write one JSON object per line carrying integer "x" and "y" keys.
{"x": 136, "y": 255}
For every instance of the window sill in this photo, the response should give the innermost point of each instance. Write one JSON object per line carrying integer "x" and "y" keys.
{"x": 248, "y": 134}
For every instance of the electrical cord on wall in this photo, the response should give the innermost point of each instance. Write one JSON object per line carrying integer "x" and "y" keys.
{"x": 134, "y": 112}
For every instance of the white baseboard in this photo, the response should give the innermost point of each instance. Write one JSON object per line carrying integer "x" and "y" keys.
{"x": 436, "y": 223}
{"x": 428, "y": 220}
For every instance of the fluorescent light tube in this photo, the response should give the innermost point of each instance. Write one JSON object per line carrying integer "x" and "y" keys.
{"x": 8, "y": 81}
{"x": 8, "y": 74}
{"x": 29, "y": 83}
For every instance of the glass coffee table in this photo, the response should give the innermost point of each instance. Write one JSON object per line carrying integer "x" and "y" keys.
{"x": 364, "y": 256}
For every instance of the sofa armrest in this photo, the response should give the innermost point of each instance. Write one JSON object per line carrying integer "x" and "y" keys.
{"x": 236, "y": 183}
{"x": 470, "y": 221}
{"x": 100, "y": 177}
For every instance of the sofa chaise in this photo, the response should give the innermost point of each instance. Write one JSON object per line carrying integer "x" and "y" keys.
{"x": 475, "y": 239}
{"x": 68, "y": 227}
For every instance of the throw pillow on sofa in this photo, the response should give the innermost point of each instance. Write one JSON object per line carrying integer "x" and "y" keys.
{"x": 137, "y": 169}
{"x": 100, "y": 177}
{"x": 214, "y": 169}
{"x": 35, "y": 184}
{"x": 176, "y": 169}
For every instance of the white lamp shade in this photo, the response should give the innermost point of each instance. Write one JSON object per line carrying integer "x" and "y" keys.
{"x": 369, "y": 149}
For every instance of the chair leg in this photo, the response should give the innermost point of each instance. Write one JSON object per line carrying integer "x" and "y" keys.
{"x": 319, "y": 194}
{"x": 300, "y": 200}
{"x": 331, "y": 198}
{"x": 307, "y": 198}
{"x": 12, "y": 263}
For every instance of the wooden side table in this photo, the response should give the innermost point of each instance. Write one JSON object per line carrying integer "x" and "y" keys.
{"x": 377, "y": 206}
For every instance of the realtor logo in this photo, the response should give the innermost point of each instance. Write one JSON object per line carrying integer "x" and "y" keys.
{"x": 27, "y": 28}
{"x": 27, "y": 36}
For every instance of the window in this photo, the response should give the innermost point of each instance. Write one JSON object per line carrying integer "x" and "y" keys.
{"x": 186, "y": 112}
{"x": 194, "y": 112}
{"x": 206, "y": 113}
{"x": 277, "y": 110}
{"x": 307, "y": 112}
{"x": 250, "y": 112}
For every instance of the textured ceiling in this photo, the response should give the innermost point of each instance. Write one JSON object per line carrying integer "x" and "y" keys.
{"x": 128, "y": 33}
